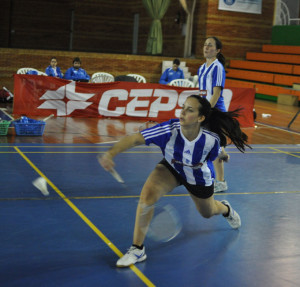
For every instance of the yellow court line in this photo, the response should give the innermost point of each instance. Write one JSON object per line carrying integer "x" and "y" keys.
{"x": 86, "y": 220}
{"x": 284, "y": 152}
{"x": 167, "y": 195}
{"x": 186, "y": 194}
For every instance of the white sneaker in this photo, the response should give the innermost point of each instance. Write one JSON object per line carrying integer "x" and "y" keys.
{"x": 132, "y": 256}
{"x": 233, "y": 218}
{"x": 220, "y": 186}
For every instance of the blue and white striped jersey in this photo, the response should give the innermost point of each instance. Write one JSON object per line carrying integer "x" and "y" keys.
{"x": 210, "y": 77}
{"x": 192, "y": 159}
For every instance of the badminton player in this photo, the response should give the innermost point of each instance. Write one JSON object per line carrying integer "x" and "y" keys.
{"x": 211, "y": 83}
{"x": 189, "y": 145}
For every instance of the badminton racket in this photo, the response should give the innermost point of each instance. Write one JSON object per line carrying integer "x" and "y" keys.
{"x": 165, "y": 225}
{"x": 113, "y": 172}
{"x": 10, "y": 93}
{"x": 47, "y": 118}
{"x": 116, "y": 176}
{"x": 4, "y": 112}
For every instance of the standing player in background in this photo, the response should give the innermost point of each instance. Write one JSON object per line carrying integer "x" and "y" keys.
{"x": 171, "y": 74}
{"x": 211, "y": 83}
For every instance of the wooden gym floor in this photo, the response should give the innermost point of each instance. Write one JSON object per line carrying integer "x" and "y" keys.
{"x": 270, "y": 130}
{"x": 74, "y": 236}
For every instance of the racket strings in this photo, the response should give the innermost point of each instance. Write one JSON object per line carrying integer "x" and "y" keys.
{"x": 164, "y": 223}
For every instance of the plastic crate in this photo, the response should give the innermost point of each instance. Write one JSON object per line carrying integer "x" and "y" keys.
{"x": 29, "y": 127}
{"x": 4, "y": 127}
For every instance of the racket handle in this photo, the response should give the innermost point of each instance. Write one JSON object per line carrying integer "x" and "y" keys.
{"x": 116, "y": 176}
{"x": 4, "y": 112}
{"x": 45, "y": 119}
{"x": 10, "y": 93}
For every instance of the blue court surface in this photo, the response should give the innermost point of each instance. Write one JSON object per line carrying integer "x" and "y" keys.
{"x": 74, "y": 236}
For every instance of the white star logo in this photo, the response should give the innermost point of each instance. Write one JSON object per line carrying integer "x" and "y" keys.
{"x": 54, "y": 100}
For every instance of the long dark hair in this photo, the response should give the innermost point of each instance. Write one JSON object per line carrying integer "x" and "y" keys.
{"x": 219, "y": 45}
{"x": 224, "y": 124}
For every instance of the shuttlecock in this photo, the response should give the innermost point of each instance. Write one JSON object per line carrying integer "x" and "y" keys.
{"x": 41, "y": 184}
{"x": 266, "y": 115}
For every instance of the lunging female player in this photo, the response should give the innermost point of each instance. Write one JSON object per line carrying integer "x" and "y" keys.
{"x": 189, "y": 146}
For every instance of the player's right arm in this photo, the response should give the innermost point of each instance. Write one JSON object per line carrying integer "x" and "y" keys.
{"x": 106, "y": 161}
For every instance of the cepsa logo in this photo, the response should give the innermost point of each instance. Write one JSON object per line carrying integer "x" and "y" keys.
{"x": 165, "y": 100}
{"x": 143, "y": 103}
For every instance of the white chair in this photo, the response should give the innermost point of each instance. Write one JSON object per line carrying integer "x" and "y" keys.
{"x": 139, "y": 78}
{"x": 283, "y": 14}
{"x": 42, "y": 73}
{"x": 182, "y": 83}
{"x": 102, "y": 77}
{"x": 25, "y": 70}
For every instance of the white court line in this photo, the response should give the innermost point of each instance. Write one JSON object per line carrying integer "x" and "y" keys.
{"x": 107, "y": 142}
{"x": 277, "y": 128}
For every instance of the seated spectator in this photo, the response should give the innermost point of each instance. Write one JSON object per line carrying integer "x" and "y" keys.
{"x": 76, "y": 73}
{"x": 52, "y": 70}
{"x": 171, "y": 74}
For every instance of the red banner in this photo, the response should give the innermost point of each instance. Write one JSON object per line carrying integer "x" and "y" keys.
{"x": 42, "y": 96}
